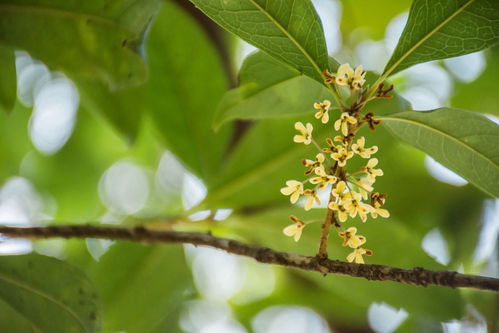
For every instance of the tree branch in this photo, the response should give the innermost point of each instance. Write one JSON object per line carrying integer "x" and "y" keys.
{"x": 416, "y": 276}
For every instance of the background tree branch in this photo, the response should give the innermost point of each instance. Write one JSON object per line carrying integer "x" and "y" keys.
{"x": 416, "y": 276}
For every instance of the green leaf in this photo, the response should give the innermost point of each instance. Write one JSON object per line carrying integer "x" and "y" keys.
{"x": 186, "y": 83}
{"x": 267, "y": 89}
{"x": 122, "y": 108}
{"x": 52, "y": 295}
{"x": 290, "y": 31}
{"x": 443, "y": 29}
{"x": 270, "y": 89}
{"x": 465, "y": 142}
{"x": 88, "y": 38}
{"x": 8, "y": 80}
{"x": 140, "y": 285}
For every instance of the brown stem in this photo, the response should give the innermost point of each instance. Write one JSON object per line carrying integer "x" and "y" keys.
{"x": 329, "y": 219}
{"x": 416, "y": 276}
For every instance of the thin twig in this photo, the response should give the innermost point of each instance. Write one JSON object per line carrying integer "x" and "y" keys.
{"x": 415, "y": 276}
{"x": 329, "y": 220}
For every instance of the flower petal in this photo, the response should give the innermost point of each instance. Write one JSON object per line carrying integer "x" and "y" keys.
{"x": 287, "y": 190}
{"x": 291, "y": 230}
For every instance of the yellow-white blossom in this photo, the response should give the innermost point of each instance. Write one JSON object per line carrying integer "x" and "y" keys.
{"x": 378, "y": 200}
{"x": 312, "y": 196}
{"x": 379, "y": 211}
{"x": 342, "y": 140}
{"x": 351, "y": 239}
{"x": 356, "y": 206}
{"x": 306, "y": 133}
{"x": 347, "y": 76}
{"x": 323, "y": 111}
{"x": 294, "y": 188}
{"x": 341, "y": 192}
{"x": 357, "y": 255}
{"x": 340, "y": 209}
{"x": 332, "y": 147}
{"x": 314, "y": 165}
{"x": 369, "y": 168}
{"x": 322, "y": 178}
{"x": 342, "y": 156}
{"x": 365, "y": 186}
{"x": 360, "y": 150}
{"x": 295, "y": 229}
{"x": 343, "y": 122}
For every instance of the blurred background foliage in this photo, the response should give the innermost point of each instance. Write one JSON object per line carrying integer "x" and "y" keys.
{"x": 109, "y": 111}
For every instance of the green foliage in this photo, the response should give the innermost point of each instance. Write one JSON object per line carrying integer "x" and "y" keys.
{"x": 133, "y": 109}
{"x": 465, "y": 142}
{"x": 7, "y": 79}
{"x": 291, "y": 33}
{"x": 443, "y": 29}
{"x": 267, "y": 89}
{"x": 81, "y": 38}
{"x": 140, "y": 285}
{"x": 122, "y": 108}
{"x": 182, "y": 117}
{"x": 68, "y": 302}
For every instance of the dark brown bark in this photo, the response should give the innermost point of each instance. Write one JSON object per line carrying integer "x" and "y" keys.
{"x": 416, "y": 276}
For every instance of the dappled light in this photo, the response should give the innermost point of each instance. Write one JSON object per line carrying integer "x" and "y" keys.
{"x": 55, "y": 102}
{"x": 441, "y": 173}
{"x": 486, "y": 248}
{"x": 54, "y": 114}
{"x": 209, "y": 316}
{"x": 435, "y": 245}
{"x": 193, "y": 191}
{"x": 384, "y": 318}
{"x": 124, "y": 188}
{"x": 217, "y": 274}
{"x": 290, "y": 319}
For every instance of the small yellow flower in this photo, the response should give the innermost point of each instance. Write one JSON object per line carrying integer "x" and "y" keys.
{"x": 306, "y": 133}
{"x": 359, "y": 149}
{"x": 342, "y": 156}
{"x": 340, "y": 209}
{"x": 381, "y": 212}
{"x": 365, "y": 186}
{"x": 378, "y": 200}
{"x": 343, "y": 122}
{"x": 351, "y": 239}
{"x": 294, "y": 189}
{"x": 322, "y": 178}
{"x": 295, "y": 229}
{"x": 341, "y": 192}
{"x": 357, "y": 255}
{"x": 332, "y": 147}
{"x": 312, "y": 196}
{"x": 347, "y": 76}
{"x": 356, "y": 206}
{"x": 314, "y": 165}
{"x": 369, "y": 169}
{"x": 358, "y": 78}
{"x": 328, "y": 77}
{"x": 342, "y": 140}
{"x": 323, "y": 111}
{"x": 343, "y": 75}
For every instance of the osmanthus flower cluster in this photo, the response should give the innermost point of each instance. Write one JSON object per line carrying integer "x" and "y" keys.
{"x": 351, "y": 192}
